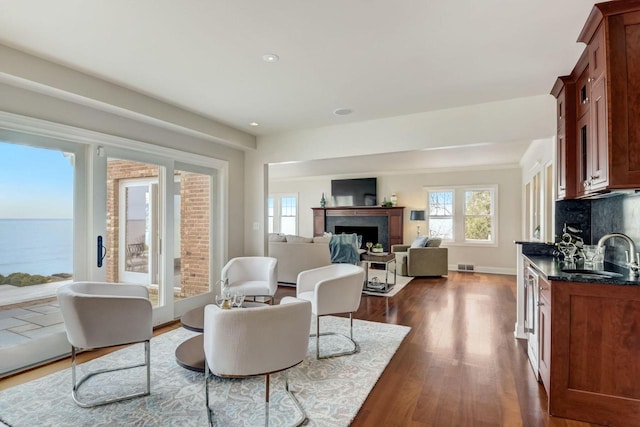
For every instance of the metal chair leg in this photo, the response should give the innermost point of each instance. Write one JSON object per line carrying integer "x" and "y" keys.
{"x": 318, "y": 334}
{"x": 76, "y": 385}
{"x": 302, "y": 416}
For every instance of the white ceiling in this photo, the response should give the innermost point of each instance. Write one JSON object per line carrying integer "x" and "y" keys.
{"x": 380, "y": 58}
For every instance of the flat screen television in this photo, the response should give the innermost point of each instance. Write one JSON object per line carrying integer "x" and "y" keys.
{"x": 354, "y": 192}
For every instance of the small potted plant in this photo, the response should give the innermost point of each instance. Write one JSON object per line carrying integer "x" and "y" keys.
{"x": 377, "y": 248}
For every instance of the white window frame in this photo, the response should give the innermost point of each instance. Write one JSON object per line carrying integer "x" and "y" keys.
{"x": 452, "y": 216}
{"x": 277, "y": 210}
{"x": 459, "y": 214}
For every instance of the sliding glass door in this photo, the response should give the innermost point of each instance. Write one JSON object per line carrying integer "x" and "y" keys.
{"x": 37, "y": 228}
{"x": 73, "y": 210}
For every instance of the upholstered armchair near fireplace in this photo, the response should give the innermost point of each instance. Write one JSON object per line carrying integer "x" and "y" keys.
{"x": 431, "y": 260}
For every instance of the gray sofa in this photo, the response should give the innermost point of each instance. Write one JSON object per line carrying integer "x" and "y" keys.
{"x": 423, "y": 261}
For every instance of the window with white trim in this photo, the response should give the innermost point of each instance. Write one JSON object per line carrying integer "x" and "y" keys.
{"x": 282, "y": 213}
{"x": 440, "y": 209}
{"x": 464, "y": 214}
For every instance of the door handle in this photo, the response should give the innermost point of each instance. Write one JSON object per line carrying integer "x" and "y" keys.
{"x": 102, "y": 252}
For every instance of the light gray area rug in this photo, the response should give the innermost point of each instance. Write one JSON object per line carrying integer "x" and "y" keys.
{"x": 331, "y": 390}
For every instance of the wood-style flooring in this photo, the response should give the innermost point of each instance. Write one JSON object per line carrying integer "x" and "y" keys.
{"x": 459, "y": 366}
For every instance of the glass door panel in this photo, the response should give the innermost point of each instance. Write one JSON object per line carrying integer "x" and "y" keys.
{"x": 134, "y": 219}
{"x": 36, "y": 249}
{"x": 192, "y": 230}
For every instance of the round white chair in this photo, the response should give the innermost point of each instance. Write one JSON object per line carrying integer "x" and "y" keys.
{"x": 98, "y": 315}
{"x": 333, "y": 289}
{"x": 254, "y": 276}
{"x": 256, "y": 341}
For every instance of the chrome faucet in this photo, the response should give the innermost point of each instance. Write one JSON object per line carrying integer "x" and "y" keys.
{"x": 633, "y": 258}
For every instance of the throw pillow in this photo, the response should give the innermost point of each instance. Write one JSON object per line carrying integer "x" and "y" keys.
{"x": 420, "y": 242}
{"x": 322, "y": 239}
{"x": 275, "y": 237}
{"x": 434, "y": 242}
{"x": 298, "y": 239}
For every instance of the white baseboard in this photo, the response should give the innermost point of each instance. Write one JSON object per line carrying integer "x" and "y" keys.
{"x": 483, "y": 269}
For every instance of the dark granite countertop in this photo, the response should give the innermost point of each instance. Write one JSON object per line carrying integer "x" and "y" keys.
{"x": 551, "y": 269}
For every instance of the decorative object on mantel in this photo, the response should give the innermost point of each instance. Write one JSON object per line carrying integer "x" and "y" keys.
{"x": 323, "y": 202}
{"x": 386, "y": 204}
{"x": 394, "y": 199}
{"x": 417, "y": 216}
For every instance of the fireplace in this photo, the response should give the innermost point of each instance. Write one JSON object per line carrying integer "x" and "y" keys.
{"x": 362, "y": 220}
{"x": 369, "y": 234}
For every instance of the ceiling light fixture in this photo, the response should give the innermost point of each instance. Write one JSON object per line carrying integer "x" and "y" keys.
{"x": 343, "y": 111}
{"x": 270, "y": 57}
{"x": 254, "y": 124}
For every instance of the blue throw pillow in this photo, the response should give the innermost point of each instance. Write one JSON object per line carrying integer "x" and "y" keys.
{"x": 420, "y": 242}
{"x": 359, "y": 241}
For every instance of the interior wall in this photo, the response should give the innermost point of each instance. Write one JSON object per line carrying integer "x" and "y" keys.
{"x": 520, "y": 119}
{"x": 411, "y": 194}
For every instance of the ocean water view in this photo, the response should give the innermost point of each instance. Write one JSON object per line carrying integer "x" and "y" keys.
{"x": 36, "y": 246}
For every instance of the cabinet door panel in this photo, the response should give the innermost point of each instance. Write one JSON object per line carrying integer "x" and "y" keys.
{"x": 599, "y": 146}
{"x": 583, "y": 166}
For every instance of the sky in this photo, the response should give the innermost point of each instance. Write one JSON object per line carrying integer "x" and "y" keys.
{"x": 35, "y": 183}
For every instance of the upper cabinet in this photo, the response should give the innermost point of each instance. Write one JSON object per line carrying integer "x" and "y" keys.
{"x": 598, "y": 139}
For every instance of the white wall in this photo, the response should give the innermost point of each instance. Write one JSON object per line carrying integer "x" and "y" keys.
{"x": 506, "y": 121}
{"x": 411, "y": 194}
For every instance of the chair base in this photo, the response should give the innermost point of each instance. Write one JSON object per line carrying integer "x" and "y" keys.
{"x": 76, "y": 385}
{"x": 302, "y": 416}
{"x": 356, "y": 346}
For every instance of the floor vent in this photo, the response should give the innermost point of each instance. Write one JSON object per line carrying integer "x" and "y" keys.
{"x": 466, "y": 267}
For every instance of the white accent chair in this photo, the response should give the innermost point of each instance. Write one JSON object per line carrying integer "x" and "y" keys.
{"x": 255, "y": 276}
{"x": 98, "y": 315}
{"x": 333, "y": 289}
{"x": 256, "y": 341}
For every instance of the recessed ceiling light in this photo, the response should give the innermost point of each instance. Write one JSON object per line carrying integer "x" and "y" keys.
{"x": 270, "y": 57}
{"x": 254, "y": 124}
{"x": 343, "y": 111}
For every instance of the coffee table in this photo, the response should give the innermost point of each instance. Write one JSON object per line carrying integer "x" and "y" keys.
{"x": 385, "y": 260}
{"x": 190, "y": 354}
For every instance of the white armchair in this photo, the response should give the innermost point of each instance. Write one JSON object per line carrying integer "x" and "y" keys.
{"x": 332, "y": 289}
{"x": 100, "y": 315}
{"x": 256, "y": 341}
{"x": 254, "y": 276}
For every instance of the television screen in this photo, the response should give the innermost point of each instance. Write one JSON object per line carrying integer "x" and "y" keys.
{"x": 354, "y": 192}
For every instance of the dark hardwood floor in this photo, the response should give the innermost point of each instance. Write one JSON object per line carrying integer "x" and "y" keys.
{"x": 459, "y": 366}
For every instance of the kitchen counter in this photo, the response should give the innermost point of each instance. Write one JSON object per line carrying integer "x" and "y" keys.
{"x": 551, "y": 269}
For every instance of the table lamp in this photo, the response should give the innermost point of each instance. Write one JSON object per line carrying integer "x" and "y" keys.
{"x": 417, "y": 216}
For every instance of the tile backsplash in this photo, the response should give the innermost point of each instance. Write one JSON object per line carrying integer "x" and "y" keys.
{"x": 614, "y": 214}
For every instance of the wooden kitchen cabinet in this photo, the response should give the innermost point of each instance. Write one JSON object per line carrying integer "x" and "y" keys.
{"x": 594, "y": 352}
{"x": 565, "y": 91}
{"x": 606, "y": 94}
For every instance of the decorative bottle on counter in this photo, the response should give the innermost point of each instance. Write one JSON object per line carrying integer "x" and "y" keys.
{"x": 323, "y": 201}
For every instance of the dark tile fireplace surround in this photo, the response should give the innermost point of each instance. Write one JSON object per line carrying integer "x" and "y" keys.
{"x": 374, "y": 224}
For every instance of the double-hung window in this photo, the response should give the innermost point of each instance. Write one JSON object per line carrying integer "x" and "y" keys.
{"x": 463, "y": 214}
{"x": 440, "y": 206}
{"x": 282, "y": 213}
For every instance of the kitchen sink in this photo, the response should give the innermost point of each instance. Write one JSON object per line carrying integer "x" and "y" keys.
{"x": 591, "y": 273}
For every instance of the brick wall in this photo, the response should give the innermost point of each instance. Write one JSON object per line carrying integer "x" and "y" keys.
{"x": 194, "y": 228}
